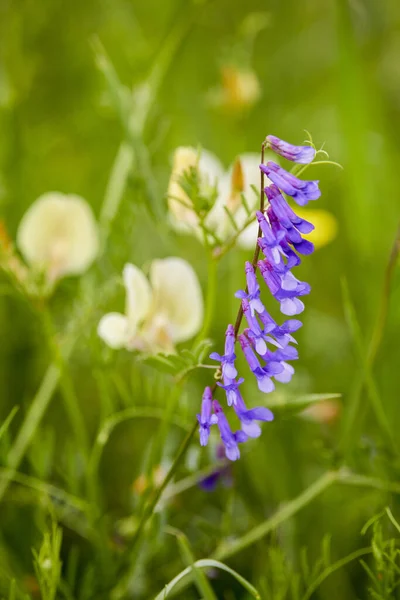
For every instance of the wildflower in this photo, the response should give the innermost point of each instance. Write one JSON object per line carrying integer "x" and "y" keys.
{"x": 298, "y": 154}
{"x": 262, "y": 374}
{"x": 210, "y": 171}
{"x": 227, "y": 186}
{"x": 253, "y": 290}
{"x": 160, "y": 312}
{"x": 228, "y": 359}
{"x": 284, "y": 288}
{"x": 301, "y": 191}
{"x": 229, "y": 439}
{"x": 281, "y": 333}
{"x": 286, "y": 216}
{"x": 248, "y": 417}
{"x": 301, "y": 245}
{"x": 58, "y": 235}
{"x": 231, "y": 387}
{"x": 206, "y": 419}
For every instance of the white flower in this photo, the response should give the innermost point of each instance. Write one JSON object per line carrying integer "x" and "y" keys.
{"x": 58, "y": 235}
{"x": 160, "y": 311}
{"x": 239, "y": 178}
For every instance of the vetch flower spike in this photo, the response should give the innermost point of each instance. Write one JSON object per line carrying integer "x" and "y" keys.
{"x": 280, "y": 239}
{"x": 299, "y": 154}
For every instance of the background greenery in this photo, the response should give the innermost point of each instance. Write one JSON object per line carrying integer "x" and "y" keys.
{"x": 331, "y": 67}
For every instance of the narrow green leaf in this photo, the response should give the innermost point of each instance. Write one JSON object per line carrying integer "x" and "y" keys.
{"x": 298, "y": 403}
{"x": 203, "y": 586}
{"x": 7, "y": 422}
{"x": 207, "y": 563}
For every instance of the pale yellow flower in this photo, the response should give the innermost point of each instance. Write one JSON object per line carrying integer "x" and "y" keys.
{"x": 58, "y": 235}
{"x": 161, "y": 311}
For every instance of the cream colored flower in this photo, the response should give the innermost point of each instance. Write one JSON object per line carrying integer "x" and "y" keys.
{"x": 229, "y": 185}
{"x": 211, "y": 173}
{"x": 160, "y": 311}
{"x": 58, "y": 235}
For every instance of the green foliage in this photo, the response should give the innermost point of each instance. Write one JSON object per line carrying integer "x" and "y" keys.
{"x": 94, "y": 99}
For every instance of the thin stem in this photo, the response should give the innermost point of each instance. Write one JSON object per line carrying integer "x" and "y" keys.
{"x": 210, "y": 300}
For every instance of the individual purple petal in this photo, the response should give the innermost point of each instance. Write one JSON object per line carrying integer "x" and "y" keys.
{"x": 227, "y": 360}
{"x": 291, "y": 306}
{"x": 264, "y": 381}
{"x": 286, "y": 375}
{"x": 270, "y": 276}
{"x": 299, "y": 154}
{"x": 229, "y": 439}
{"x": 206, "y": 419}
{"x": 301, "y": 191}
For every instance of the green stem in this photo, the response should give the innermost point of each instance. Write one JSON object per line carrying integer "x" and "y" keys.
{"x": 210, "y": 299}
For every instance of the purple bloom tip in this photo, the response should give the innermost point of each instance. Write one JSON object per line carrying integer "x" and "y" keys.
{"x": 299, "y": 154}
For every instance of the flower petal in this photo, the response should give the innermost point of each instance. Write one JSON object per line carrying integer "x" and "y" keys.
{"x": 138, "y": 296}
{"x": 178, "y": 296}
{"x": 113, "y": 330}
{"x": 58, "y": 234}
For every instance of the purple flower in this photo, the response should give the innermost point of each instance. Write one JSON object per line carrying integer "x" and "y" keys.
{"x": 285, "y": 215}
{"x": 206, "y": 419}
{"x": 292, "y": 260}
{"x": 282, "y": 355}
{"x": 262, "y": 374}
{"x": 229, "y": 439}
{"x": 301, "y": 191}
{"x": 298, "y": 154}
{"x": 270, "y": 239}
{"x": 228, "y": 359}
{"x": 253, "y": 290}
{"x": 231, "y": 388}
{"x": 248, "y": 416}
{"x": 258, "y": 336}
{"x": 282, "y": 333}
{"x": 222, "y": 473}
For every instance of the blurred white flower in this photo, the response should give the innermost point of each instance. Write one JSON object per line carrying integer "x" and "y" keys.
{"x": 58, "y": 235}
{"x": 160, "y": 311}
{"x": 229, "y": 185}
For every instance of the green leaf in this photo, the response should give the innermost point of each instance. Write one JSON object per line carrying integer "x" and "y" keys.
{"x": 206, "y": 564}
{"x": 203, "y": 586}
{"x": 287, "y": 404}
{"x": 7, "y": 422}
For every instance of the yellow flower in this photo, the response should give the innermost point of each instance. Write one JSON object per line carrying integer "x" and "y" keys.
{"x": 325, "y": 225}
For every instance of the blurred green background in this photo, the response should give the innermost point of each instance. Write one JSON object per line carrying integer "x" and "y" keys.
{"x": 330, "y": 67}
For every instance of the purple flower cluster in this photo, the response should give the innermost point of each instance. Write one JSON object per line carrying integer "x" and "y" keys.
{"x": 267, "y": 346}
